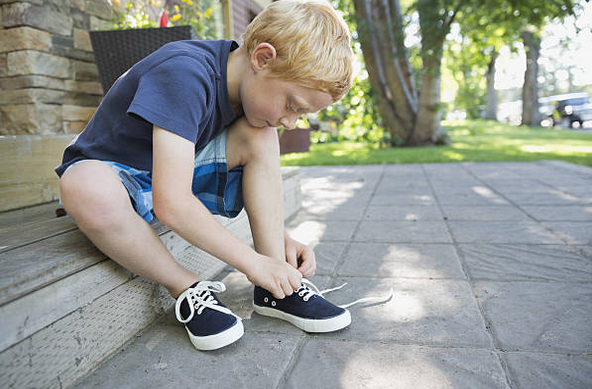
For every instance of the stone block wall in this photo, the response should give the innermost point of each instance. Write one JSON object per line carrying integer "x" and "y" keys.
{"x": 48, "y": 80}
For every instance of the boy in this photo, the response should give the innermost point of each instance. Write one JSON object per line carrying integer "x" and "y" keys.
{"x": 188, "y": 132}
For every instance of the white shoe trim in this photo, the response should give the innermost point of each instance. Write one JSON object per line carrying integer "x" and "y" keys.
{"x": 309, "y": 325}
{"x": 214, "y": 342}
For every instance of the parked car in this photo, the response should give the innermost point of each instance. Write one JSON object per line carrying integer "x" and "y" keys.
{"x": 567, "y": 109}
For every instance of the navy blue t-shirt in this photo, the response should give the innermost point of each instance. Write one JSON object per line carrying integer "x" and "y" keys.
{"x": 181, "y": 87}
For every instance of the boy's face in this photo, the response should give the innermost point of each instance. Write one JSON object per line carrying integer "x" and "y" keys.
{"x": 268, "y": 101}
{"x": 271, "y": 102}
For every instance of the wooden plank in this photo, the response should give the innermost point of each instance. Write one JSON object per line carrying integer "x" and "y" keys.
{"x": 22, "y": 234}
{"x": 28, "y": 214}
{"x": 33, "y": 266}
{"x": 26, "y": 169}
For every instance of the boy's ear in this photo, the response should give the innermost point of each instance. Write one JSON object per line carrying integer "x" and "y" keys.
{"x": 263, "y": 56}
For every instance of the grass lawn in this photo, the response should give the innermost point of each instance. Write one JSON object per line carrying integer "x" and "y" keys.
{"x": 472, "y": 140}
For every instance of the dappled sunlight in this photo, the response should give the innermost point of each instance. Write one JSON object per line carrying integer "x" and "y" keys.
{"x": 408, "y": 261}
{"x": 329, "y": 187}
{"x": 453, "y": 155}
{"x": 462, "y": 146}
{"x": 560, "y": 149}
{"x": 361, "y": 366}
{"x": 483, "y": 191}
{"x": 308, "y": 232}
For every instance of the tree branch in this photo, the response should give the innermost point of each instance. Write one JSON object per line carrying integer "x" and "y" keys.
{"x": 450, "y": 18}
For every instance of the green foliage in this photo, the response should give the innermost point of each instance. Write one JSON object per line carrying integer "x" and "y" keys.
{"x": 468, "y": 64}
{"x": 205, "y": 16}
{"x": 354, "y": 117}
{"x": 199, "y": 15}
{"x": 130, "y": 15}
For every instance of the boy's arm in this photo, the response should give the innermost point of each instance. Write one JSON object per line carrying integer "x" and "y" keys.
{"x": 177, "y": 207}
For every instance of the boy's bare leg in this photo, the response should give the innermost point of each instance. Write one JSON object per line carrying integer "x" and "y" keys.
{"x": 258, "y": 150}
{"x": 95, "y": 197}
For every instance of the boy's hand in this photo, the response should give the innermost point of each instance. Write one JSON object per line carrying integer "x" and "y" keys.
{"x": 300, "y": 256}
{"x": 277, "y": 277}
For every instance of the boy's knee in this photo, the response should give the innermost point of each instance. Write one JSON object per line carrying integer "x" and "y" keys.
{"x": 93, "y": 200}
{"x": 253, "y": 143}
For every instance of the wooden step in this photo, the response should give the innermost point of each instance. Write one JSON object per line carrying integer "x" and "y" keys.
{"x": 65, "y": 307}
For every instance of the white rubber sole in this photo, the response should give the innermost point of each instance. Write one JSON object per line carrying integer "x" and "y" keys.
{"x": 308, "y": 325}
{"x": 214, "y": 342}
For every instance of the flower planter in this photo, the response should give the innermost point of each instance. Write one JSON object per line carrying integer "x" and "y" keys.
{"x": 118, "y": 50}
{"x": 295, "y": 141}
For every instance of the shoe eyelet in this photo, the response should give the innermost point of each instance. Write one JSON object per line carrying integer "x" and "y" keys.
{"x": 273, "y": 303}
{"x": 305, "y": 299}
{"x": 196, "y": 306}
{"x": 265, "y": 299}
{"x": 300, "y": 294}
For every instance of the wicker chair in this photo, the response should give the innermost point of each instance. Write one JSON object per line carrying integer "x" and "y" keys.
{"x": 118, "y": 50}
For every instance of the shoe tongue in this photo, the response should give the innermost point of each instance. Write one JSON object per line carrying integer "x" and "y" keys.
{"x": 185, "y": 305}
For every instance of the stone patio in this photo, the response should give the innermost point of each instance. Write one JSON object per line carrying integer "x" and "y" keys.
{"x": 490, "y": 263}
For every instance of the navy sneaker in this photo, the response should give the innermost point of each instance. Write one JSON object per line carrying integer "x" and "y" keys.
{"x": 305, "y": 308}
{"x": 209, "y": 324}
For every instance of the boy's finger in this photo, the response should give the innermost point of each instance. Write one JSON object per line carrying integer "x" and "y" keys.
{"x": 291, "y": 259}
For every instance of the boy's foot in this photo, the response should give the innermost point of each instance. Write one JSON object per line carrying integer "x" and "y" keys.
{"x": 209, "y": 324}
{"x": 305, "y": 308}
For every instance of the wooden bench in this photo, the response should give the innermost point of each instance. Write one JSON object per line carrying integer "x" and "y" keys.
{"x": 65, "y": 307}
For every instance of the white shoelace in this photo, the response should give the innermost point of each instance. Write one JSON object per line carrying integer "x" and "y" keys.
{"x": 308, "y": 289}
{"x": 200, "y": 298}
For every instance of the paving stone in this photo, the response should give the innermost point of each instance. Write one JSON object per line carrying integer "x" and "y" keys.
{"x": 422, "y": 312}
{"x": 330, "y": 211}
{"x": 457, "y": 190}
{"x": 483, "y": 213}
{"x": 556, "y": 197}
{"x": 164, "y": 357}
{"x": 403, "y": 212}
{"x": 562, "y": 213}
{"x": 403, "y": 199}
{"x": 526, "y": 262}
{"x": 396, "y": 170}
{"x": 358, "y": 185}
{"x": 484, "y": 197}
{"x": 581, "y": 191}
{"x": 403, "y": 189}
{"x": 326, "y": 363}
{"x": 399, "y": 260}
{"x": 585, "y": 251}
{"x": 501, "y": 232}
{"x": 572, "y": 232}
{"x": 327, "y": 255}
{"x": 315, "y": 231}
{"x": 329, "y": 195}
{"x": 533, "y": 316}
{"x": 520, "y": 186}
{"x": 403, "y": 232}
{"x": 550, "y": 371}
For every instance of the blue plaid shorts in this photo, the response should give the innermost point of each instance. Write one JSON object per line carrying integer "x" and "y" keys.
{"x": 217, "y": 188}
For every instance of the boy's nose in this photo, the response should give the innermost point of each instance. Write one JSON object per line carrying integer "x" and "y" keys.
{"x": 288, "y": 122}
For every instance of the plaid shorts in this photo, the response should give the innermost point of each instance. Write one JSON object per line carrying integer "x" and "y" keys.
{"x": 217, "y": 188}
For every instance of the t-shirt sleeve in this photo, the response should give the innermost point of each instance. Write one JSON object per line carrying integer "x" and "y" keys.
{"x": 173, "y": 95}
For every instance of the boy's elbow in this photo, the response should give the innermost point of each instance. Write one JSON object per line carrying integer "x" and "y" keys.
{"x": 168, "y": 212}
{"x": 163, "y": 212}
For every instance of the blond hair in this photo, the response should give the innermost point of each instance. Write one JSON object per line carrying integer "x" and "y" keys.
{"x": 312, "y": 42}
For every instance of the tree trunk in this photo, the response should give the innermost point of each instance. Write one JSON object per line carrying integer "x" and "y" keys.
{"x": 530, "y": 104}
{"x": 427, "y": 124}
{"x": 383, "y": 54}
{"x": 491, "y": 103}
{"x": 410, "y": 117}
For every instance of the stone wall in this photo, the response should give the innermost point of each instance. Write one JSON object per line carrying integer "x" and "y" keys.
{"x": 48, "y": 78}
